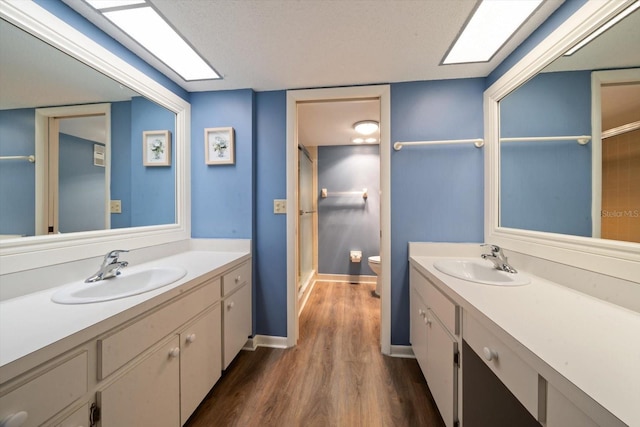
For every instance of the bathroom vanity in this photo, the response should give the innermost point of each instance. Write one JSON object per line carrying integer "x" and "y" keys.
{"x": 566, "y": 358}
{"x": 145, "y": 360}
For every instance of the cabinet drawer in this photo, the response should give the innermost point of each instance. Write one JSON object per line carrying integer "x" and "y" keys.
{"x": 444, "y": 308}
{"x": 514, "y": 373}
{"x": 119, "y": 348}
{"x": 49, "y": 393}
{"x": 236, "y": 278}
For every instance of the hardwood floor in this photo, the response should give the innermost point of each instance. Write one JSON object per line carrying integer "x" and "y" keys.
{"x": 335, "y": 376}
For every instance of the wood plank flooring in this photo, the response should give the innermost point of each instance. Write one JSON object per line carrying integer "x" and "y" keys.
{"x": 335, "y": 376}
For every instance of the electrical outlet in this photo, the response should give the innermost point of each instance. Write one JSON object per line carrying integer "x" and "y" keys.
{"x": 279, "y": 206}
{"x": 116, "y": 206}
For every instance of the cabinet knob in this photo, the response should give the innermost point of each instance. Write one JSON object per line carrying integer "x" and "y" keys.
{"x": 174, "y": 352}
{"x": 421, "y": 312}
{"x": 237, "y": 279}
{"x": 230, "y": 305}
{"x": 191, "y": 338}
{"x": 489, "y": 354}
{"x": 427, "y": 321}
{"x": 14, "y": 420}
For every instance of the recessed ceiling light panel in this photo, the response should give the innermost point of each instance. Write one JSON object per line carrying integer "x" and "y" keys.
{"x": 108, "y": 4}
{"x": 492, "y": 24}
{"x": 144, "y": 24}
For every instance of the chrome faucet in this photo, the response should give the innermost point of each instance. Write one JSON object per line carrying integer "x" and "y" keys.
{"x": 498, "y": 258}
{"x": 110, "y": 267}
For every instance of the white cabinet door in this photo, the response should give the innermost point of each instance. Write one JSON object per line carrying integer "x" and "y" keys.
{"x": 200, "y": 360}
{"x": 418, "y": 332}
{"x": 146, "y": 395}
{"x": 443, "y": 372}
{"x": 561, "y": 412}
{"x": 236, "y": 322}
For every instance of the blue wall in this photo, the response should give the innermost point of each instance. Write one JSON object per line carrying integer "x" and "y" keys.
{"x": 542, "y": 183}
{"x": 121, "y": 162}
{"x": 270, "y": 256}
{"x": 80, "y": 186}
{"x": 153, "y": 188}
{"x": 222, "y": 195}
{"x": 17, "y": 177}
{"x": 350, "y": 222}
{"x": 437, "y": 193}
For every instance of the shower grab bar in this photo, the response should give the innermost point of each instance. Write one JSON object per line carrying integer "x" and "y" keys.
{"x": 582, "y": 139}
{"x": 324, "y": 193}
{"x": 479, "y": 142}
{"x": 31, "y": 158}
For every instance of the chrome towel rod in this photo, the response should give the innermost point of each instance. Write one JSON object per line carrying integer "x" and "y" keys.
{"x": 582, "y": 139}
{"x": 324, "y": 193}
{"x": 477, "y": 142}
{"x": 31, "y": 158}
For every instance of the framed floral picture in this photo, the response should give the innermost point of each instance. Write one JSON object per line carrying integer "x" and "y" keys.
{"x": 219, "y": 146}
{"x": 156, "y": 148}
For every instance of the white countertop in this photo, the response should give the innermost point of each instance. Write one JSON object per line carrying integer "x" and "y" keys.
{"x": 592, "y": 343}
{"x": 33, "y": 322}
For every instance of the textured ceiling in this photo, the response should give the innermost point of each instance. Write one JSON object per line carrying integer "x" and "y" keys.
{"x": 286, "y": 44}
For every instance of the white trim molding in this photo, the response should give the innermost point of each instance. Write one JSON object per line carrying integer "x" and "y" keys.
{"x": 383, "y": 93}
{"x": 39, "y": 251}
{"x": 614, "y": 258}
{"x": 265, "y": 341}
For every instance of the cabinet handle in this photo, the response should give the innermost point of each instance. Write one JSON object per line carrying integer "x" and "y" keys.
{"x": 230, "y": 305}
{"x": 489, "y": 354}
{"x": 174, "y": 352}
{"x": 14, "y": 420}
{"x": 191, "y": 338}
{"x": 237, "y": 279}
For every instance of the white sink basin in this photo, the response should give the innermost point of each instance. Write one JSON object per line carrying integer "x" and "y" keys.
{"x": 128, "y": 283}
{"x": 480, "y": 271}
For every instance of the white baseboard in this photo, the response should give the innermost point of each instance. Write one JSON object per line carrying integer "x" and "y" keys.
{"x": 305, "y": 296}
{"x": 404, "y": 351}
{"x": 265, "y": 341}
{"x": 346, "y": 278}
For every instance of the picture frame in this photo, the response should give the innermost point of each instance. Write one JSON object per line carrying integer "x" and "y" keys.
{"x": 219, "y": 146}
{"x": 156, "y": 148}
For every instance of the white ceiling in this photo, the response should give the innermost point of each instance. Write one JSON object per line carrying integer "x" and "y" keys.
{"x": 331, "y": 123}
{"x": 284, "y": 44}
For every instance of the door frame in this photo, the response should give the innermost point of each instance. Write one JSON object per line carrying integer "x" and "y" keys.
{"x": 383, "y": 93}
{"x": 42, "y": 118}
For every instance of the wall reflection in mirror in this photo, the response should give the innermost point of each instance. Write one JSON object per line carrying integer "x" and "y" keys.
{"x": 562, "y": 186}
{"x": 91, "y": 152}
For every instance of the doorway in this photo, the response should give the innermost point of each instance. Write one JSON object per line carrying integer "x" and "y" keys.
{"x": 294, "y": 98}
{"x": 73, "y": 169}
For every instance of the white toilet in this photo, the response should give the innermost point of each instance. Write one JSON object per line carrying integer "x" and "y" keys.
{"x": 374, "y": 263}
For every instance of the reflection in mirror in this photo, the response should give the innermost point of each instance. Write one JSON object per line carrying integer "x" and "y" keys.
{"x": 546, "y": 182}
{"x": 78, "y": 170}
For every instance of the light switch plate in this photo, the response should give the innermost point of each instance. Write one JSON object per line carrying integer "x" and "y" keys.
{"x": 279, "y": 206}
{"x": 116, "y": 206}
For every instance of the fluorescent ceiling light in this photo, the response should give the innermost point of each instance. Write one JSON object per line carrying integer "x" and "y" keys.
{"x": 366, "y": 127}
{"x": 492, "y": 24}
{"x": 604, "y": 28}
{"x": 142, "y": 23}
{"x": 107, "y": 4}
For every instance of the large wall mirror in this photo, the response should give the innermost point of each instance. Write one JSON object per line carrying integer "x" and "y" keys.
{"x": 564, "y": 163}
{"x": 75, "y": 121}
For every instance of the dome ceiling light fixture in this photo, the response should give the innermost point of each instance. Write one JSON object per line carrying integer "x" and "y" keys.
{"x": 366, "y": 127}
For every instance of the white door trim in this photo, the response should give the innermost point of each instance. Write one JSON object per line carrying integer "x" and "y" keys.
{"x": 382, "y": 92}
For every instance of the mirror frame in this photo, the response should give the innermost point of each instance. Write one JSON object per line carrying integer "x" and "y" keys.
{"x": 614, "y": 258}
{"x": 40, "y": 251}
